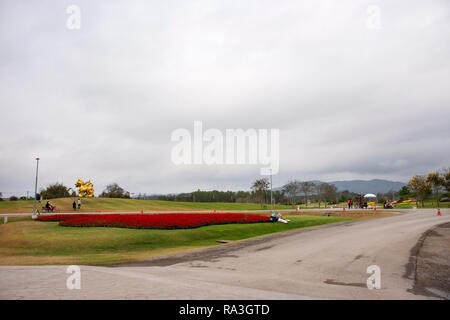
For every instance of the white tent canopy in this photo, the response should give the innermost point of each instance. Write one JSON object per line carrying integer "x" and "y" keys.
{"x": 370, "y": 195}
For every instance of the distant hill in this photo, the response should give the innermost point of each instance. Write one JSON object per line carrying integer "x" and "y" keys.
{"x": 368, "y": 186}
{"x": 365, "y": 186}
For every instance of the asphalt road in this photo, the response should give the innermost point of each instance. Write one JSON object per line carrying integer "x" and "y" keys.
{"x": 325, "y": 262}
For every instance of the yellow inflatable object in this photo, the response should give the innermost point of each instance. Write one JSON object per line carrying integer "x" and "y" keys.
{"x": 85, "y": 189}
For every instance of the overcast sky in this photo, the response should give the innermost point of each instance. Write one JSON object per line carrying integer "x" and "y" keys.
{"x": 354, "y": 97}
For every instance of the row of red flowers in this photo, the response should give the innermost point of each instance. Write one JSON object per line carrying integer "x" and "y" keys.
{"x": 61, "y": 217}
{"x": 153, "y": 221}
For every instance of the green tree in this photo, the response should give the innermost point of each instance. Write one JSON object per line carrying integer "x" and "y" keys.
{"x": 437, "y": 181}
{"x": 56, "y": 190}
{"x": 404, "y": 193}
{"x": 260, "y": 188}
{"x": 113, "y": 190}
{"x": 420, "y": 187}
{"x": 446, "y": 175}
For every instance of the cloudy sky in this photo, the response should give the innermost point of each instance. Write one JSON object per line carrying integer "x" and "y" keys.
{"x": 358, "y": 89}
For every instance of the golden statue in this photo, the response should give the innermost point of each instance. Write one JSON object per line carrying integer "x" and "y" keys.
{"x": 85, "y": 189}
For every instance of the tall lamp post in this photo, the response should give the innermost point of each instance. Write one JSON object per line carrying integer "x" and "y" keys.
{"x": 35, "y": 186}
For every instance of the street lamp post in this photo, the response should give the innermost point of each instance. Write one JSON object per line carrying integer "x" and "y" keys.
{"x": 35, "y": 186}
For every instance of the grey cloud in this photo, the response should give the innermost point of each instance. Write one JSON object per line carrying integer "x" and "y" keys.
{"x": 102, "y": 102}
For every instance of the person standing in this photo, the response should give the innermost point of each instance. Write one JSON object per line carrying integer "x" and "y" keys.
{"x": 79, "y": 203}
{"x": 74, "y": 206}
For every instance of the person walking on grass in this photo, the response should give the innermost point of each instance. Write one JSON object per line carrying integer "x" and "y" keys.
{"x": 74, "y": 206}
{"x": 79, "y": 203}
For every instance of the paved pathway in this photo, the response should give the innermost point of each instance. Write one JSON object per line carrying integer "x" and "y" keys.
{"x": 326, "y": 262}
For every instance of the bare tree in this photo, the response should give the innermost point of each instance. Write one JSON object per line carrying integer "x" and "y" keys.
{"x": 329, "y": 192}
{"x": 291, "y": 189}
{"x": 306, "y": 187}
{"x": 320, "y": 189}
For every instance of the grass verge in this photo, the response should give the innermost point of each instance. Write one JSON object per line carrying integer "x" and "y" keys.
{"x": 43, "y": 243}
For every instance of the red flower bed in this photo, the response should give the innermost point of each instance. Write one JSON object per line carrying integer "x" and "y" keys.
{"x": 61, "y": 217}
{"x": 153, "y": 221}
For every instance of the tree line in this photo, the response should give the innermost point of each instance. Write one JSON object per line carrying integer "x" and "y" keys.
{"x": 295, "y": 192}
{"x": 59, "y": 190}
{"x": 260, "y": 193}
{"x": 435, "y": 184}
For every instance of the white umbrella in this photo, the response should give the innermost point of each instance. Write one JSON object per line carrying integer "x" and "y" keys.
{"x": 370, "y": 195}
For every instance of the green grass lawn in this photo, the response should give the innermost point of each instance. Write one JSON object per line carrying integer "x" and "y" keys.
{"x": 36, "y": 243}
{"x": 134, "y": 205}
{"x": 130, "y": 205}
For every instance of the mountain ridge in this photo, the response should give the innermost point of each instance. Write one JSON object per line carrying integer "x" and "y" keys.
{"x": 364, "y": 186}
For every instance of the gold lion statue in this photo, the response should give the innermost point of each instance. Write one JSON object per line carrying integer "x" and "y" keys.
{"x": 85, "y": 189}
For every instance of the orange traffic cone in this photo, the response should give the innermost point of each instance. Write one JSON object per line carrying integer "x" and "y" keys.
{"x": 439, "y": 212}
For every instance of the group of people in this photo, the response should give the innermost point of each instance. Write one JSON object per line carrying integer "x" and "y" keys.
{"x": 350, "y": 203}
{"x": 278, "y": 217}
{"x": 74, "y": 205}
{"x": 360, "y": 203}
{"x": 363, "y": 204}
{"x": 51, "y": 208}
{"x": 388, "y": 205}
